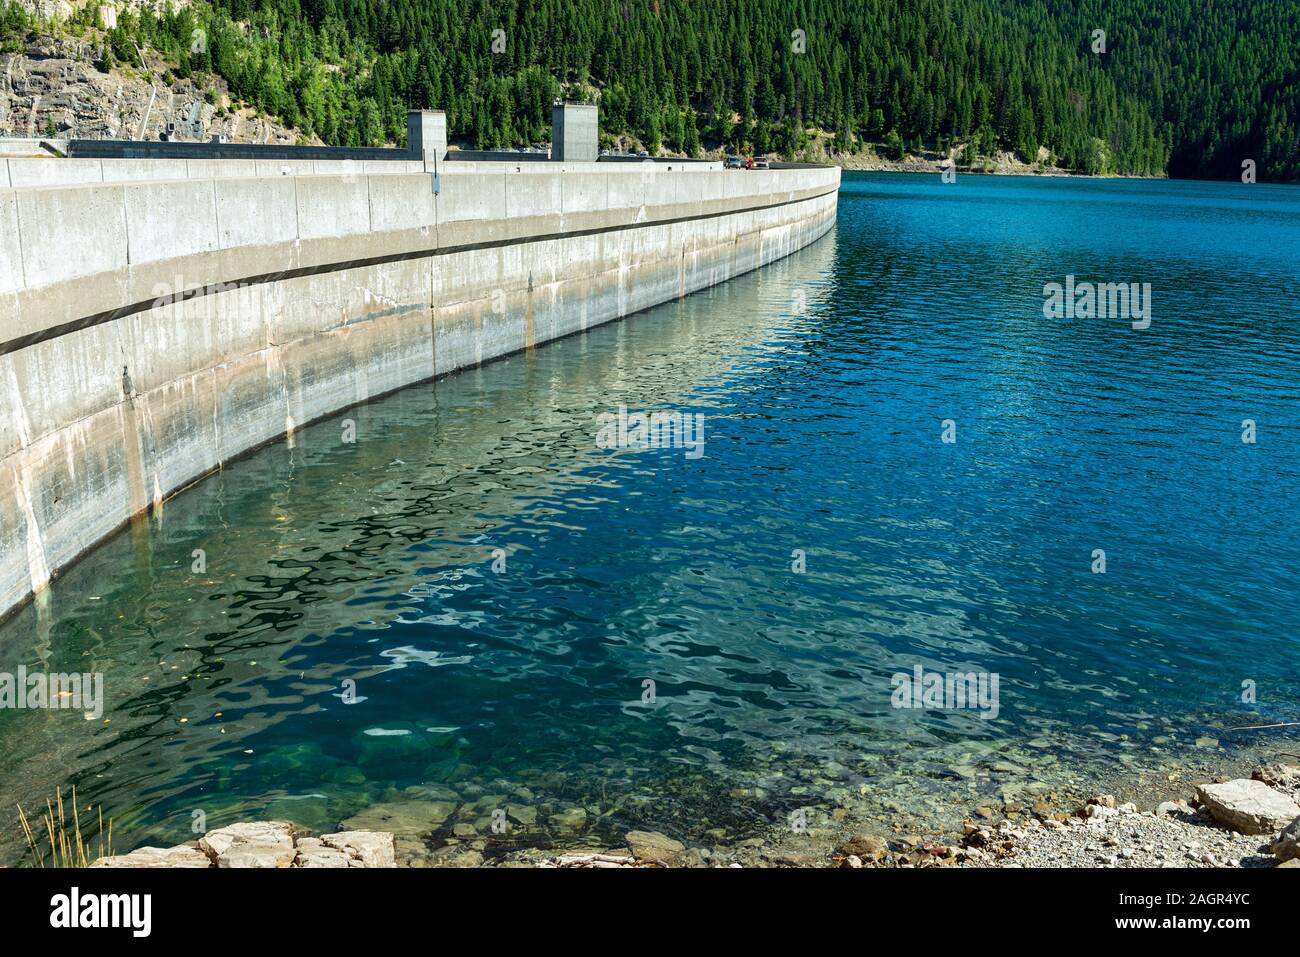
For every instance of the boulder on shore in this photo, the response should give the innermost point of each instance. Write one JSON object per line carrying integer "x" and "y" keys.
{"x": 266, "y": 844}
{"x": 182, "y": 856}
{"x": 369, "y": 848}
{"x": 258, "y": 844}
{"x": 1250, "y": 807}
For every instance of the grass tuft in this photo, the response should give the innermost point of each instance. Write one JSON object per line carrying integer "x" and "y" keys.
{"x": 59, "y": 845}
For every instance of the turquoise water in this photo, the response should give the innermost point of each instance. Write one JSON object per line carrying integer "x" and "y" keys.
{"x": 824, "y": 381}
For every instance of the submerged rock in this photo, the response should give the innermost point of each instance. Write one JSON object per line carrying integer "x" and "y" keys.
{"x": 569, "y": 821}
{"x": 405, "y": 819}
{"x": 1250, "y": 807}
{"x": 522, "y": 814}
{"x": 653, "y": 846}
{"x": 411, "y": 822}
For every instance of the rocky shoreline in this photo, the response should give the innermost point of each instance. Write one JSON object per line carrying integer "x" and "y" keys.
{"x": 1243, "y": 822}
{"x": 269, "y": 844}
{"x": 1230, "y": 822}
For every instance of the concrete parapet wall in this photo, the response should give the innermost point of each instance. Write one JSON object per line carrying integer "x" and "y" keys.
{"x": 307, "y": 293}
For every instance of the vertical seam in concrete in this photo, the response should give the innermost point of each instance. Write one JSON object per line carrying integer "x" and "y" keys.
{"x": 18, "y": 221}
{"x": 297, "y": 220}
{"x": 433, "y": 265}
{"x": 216, "y": 210}
{"x": 126, "y": 226}
{"x": 370, "y": 206}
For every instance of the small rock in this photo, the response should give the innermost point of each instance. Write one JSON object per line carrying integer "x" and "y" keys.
{"x": 868, "y": 847}
{"x": 1280, "y": 776}
{"x": 1287, "y": 846}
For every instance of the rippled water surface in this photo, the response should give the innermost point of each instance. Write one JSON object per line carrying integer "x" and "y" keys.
{"x": 824, "y": 381}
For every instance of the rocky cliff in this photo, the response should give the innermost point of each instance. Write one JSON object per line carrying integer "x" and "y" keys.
{"x": 57, "y": 87}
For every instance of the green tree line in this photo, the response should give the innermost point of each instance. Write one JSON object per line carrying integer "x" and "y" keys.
{"x": 1188, "y": 87}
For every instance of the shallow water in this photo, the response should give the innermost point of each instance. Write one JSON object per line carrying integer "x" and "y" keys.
{"x": 824, "y": 382}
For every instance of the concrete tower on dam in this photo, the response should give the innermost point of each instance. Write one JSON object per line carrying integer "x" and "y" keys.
{"x": 166, "y": 307}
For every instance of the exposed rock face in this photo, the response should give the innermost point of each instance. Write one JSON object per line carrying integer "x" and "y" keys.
{"x": 57, "y": 88}
{"x": 1250, "y": 807}
{"x": 47, "y": 9}
{"x": 183, "y": 856}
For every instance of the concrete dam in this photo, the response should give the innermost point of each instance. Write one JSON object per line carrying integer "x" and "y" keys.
{"x": 161, "y": 316}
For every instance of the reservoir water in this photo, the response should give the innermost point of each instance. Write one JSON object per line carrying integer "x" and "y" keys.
{"x": 457, "y": 599}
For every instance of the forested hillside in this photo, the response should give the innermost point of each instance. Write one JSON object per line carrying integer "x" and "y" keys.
{"x": 1222, "y": 77}
{"x": 1191, "y": 87}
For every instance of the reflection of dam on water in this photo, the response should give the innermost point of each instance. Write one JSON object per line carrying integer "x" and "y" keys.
{"x": 280, "y": 572}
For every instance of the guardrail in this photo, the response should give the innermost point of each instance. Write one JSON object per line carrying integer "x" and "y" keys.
{"x": 167, "y": 150}
{"x": 142, "y": 149}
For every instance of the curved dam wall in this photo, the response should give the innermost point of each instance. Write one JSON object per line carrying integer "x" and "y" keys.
{"x": 159, "y": 319}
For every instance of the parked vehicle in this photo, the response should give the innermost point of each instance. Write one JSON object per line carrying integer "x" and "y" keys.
{"x": 762, "y": 162}
{"x": 734, "y": 162}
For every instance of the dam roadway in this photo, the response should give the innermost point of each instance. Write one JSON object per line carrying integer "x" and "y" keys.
{"x": 161, "y": 317}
